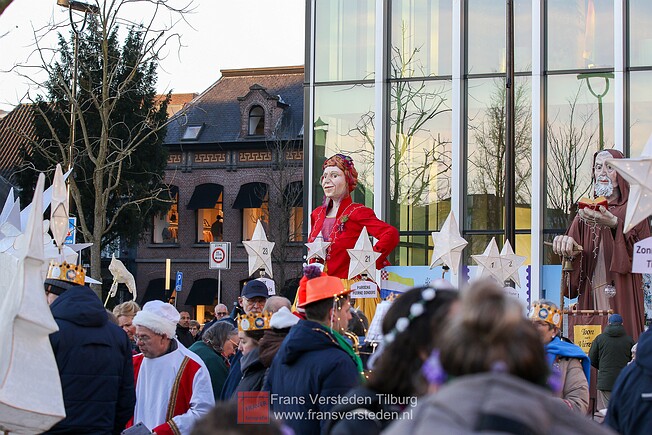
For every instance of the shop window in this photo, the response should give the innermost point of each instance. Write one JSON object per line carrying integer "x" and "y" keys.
{"x": 207, "y": 202}
{"x": 253, "y": 201}
{"x": 166, "y": 225}
{"x": 256, "y": 121}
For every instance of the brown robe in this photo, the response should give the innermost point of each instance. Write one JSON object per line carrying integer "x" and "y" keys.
{"x": 617, "y": 250}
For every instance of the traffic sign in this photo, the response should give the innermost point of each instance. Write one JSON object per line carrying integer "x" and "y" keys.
{"x": 177, "y": 287}
{"x": 220, "y": 256}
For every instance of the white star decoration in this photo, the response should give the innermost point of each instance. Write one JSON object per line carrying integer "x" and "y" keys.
{"x": 363, "y": 256}
{"x": 510, "y": 263}
{"x": 448, "y": 245}
{"x": 317, "y": 249}
{"x": 489, "y": 262}
{"x": 260, "y": 251}
{"x": 638, "y": 172}
{"x": 59, "y": 208}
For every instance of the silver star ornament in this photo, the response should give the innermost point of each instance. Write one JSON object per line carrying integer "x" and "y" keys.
{"x": 363, "y": 256}
{"x": 448, "y": 245}
{"x": 259, "y": 250}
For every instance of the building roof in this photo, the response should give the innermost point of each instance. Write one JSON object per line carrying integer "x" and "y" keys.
{"x": 177, "y": 101}
{"x": 217, "y": 109}
{"x": 16, "y": 130}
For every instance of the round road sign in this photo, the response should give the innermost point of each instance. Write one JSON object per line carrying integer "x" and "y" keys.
{"x": 218, "y": 255}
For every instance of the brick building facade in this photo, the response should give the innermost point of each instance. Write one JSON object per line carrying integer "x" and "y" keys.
{"x": 235, "y": 156}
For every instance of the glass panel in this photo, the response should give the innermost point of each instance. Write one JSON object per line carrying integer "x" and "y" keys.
{"x": 413, "y": 250}
{"x": 580, "y": 34}
{"x": 296, "y": 224}
{"x": 250, "y": 217}
{"x": 166, "y": 226}
{"x": 640, "y": 110}
{"x": 345, "y": 124}
{"x": 485, "y": 175}
{"x": 573, "y": 136}
{"x": 420, "y": 154}
{"x": 421, "y": 38}
{"x": 486, "y": 49}
{"x": 210, "y": 223}
{"x": 344, "y": 40}
{"x": 640, "y": 33}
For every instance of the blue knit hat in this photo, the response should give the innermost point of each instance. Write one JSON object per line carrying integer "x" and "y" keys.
{"x": 616, "y": 319}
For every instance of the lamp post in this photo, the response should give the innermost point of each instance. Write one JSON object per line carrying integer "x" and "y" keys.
{"x": 73, "y": 5}
{"x": 599, "y": 96}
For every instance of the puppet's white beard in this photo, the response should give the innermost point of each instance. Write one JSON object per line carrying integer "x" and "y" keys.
{"x": 603, "y": 187}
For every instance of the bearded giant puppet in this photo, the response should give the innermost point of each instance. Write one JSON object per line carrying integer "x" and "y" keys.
{"x": 605, "y": 260}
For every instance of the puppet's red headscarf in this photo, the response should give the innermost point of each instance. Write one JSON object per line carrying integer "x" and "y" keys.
{"x": 345, "y": 163}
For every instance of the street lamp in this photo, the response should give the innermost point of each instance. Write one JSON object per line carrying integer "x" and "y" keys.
{"x": 73, "y": 5}
{"x": 599, "y": 96}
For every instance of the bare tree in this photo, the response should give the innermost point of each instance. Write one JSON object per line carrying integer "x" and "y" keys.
{"x": 284, "y": 178}
{"x": 568, "y": 147}
{"x": 107, "y": 91}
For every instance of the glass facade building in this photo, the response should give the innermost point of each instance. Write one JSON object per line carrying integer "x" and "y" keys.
{"x": 414, "y": 91}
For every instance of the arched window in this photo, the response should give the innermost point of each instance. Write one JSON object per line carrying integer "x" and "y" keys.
{"x": 256, "y": 121}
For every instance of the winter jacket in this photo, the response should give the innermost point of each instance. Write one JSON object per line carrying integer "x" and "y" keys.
{"x": 310, "y": 365}
{"x": 270, "y": 344}
{"x": 574, "y": 369}
{"x": 630, "y": 405}
{"x": 610, "y": 352}
{"x": 216, "y": 365}
{"x": 253, "y": 372}
{"x": 493, "y": 403}
{"x": 184, "y": 336}
{"x": 95, "y": 365}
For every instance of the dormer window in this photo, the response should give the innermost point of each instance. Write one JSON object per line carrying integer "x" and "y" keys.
{"x": 256, "y": 121}
{"x": 192, "y": 132}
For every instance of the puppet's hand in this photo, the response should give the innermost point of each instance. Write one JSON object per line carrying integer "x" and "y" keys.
{"x": 601, "y": 217}
{"x": 565, "y": 246}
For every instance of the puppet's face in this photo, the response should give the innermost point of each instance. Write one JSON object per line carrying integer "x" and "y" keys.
{"x": 605, "y": 175}
{"x": 333, "y": 181}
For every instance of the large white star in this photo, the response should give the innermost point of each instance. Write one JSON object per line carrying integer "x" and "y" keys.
{"x": 260, "y": 251}
{"x": 510, "y": 263}
{"x": 638, "y": 172}
{"x": 363, "y": 256}
{"x": 448, "y": 245}
{"x": 489, "y": 262}
{"x": 317, "y": 249}
{"x": 59, "y": 208}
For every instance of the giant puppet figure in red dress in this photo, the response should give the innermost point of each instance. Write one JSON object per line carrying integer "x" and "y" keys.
{"x": 606, "y": 256}
{"x": 340, "y": 221}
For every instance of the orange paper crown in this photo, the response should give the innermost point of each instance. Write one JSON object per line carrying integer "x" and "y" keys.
{"x": 254, "y": 321}
{"x": 547, "y": 313}
{"x": 67, "y": 272}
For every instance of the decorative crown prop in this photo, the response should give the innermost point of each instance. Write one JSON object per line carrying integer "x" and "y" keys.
{"x": 67, "y": 272}
{"x": 547, "y": 313}
{"x": 254, "y": 321}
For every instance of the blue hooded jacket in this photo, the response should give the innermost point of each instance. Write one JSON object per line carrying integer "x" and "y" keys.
{"x": 308, "y": 374}
{"x": 568, "y": 350}
{"x": 630, "y": 405}
{"x": 95, "y": 365}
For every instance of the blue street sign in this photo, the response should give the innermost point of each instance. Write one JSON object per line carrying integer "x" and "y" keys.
{"x": 179, "y": 281}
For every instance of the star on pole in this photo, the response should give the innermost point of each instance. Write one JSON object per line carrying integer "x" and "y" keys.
{"x": 510, "y": 263}
{"x": 448, "y": 245}
{"x": 259, "y": 250}
{"x": 363, "y": 256}
{"x": 317, "y": 249}
{"x": 59, "y": 208}
{"x": 489, "y": 262}
{"x": 638, "y": 172}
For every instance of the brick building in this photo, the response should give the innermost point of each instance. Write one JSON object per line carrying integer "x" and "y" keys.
{"x": 235, "y": 156}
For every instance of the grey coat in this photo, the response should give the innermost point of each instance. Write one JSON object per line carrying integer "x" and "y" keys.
{"x": 493, "y": 403}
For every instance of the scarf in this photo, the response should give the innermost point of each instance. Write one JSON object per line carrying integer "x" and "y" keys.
{"x": 568, "y": 350}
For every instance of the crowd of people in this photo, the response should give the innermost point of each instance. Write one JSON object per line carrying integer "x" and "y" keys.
{"x": 449, "y": 361}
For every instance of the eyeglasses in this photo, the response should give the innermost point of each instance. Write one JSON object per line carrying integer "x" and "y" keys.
{"x": 254, "y": 301}
{"x": 221, "y": 313}
{"x": 234, "y": 343}
{"x": 142, "y": 338}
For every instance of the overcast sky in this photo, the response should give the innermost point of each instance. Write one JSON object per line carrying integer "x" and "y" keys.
{"x": 225, "y": 34}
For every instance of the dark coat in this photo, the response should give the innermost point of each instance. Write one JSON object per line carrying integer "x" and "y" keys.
{"x": 216, "y": 365}
{"x": 233, "y": 379}
{"x": 629, "y": 411}
{"x": 95, "y": 365}
{"x": 253, "y": 372}
{"x": 365, "y": 400}
{"x": 610, "y": 352}
{"x": 309, "y": 364}
{"x": 270, "y": 344}
{"x": 185, "y": 336}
